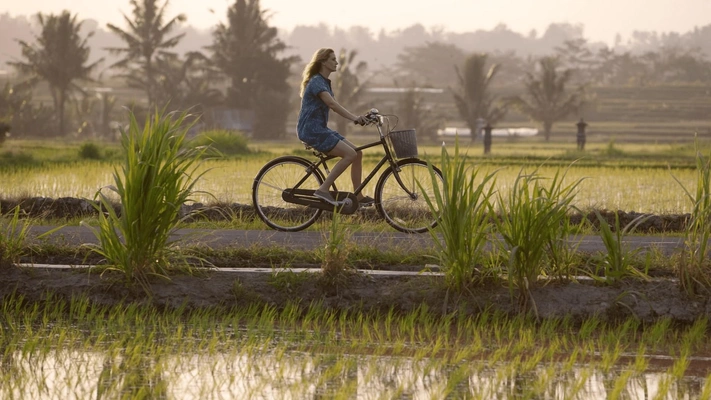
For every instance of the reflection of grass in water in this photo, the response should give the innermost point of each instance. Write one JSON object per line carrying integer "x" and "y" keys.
{"x": 58, "y": 347}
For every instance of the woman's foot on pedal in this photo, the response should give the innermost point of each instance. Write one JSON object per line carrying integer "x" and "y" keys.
{"x": 326, "y": 196}
{"x": 366, "y": 201}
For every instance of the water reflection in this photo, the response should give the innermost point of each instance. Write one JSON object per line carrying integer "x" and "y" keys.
{"x": 278, "y": 373}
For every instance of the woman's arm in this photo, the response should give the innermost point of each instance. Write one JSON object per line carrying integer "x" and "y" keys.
{"x": 339, "y": 109}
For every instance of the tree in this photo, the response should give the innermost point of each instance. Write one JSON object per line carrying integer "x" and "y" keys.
{"x": 431, "y": 64}
{"x": 347, "y": 88}
{"x": 416, "y": 113}
{"x": 187, "y": 83}
{"x": 59, "y": 58}
{"x": 245, "y": 49}
{"x": 549, "y": 101}
{"x": 146, "y": 41}
{"x": 576, "y": 55}
{"x": 473, "y": 99}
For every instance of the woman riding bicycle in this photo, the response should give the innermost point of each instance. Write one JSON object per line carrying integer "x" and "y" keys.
{"x": 316, "y": 100}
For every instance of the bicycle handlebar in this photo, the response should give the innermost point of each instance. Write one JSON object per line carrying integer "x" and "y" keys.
{"x": 372, "y": 116}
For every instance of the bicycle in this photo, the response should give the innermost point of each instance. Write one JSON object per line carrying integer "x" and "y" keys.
{"x": 282, "y": 191}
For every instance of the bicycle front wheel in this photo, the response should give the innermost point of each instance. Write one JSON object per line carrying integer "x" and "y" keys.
{"x": 403, "y": 206}
{"x": 276, "y": 176}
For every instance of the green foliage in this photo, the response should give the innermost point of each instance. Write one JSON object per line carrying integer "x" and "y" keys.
{"x": 464, "y": 204}
{"x": 694, "y": 276}
{"x": 618, "y": 260}
{"x": 245, "y": 50}
{"x": 431, "y": 63}
{"x": 334, "y": 261}
{"x": 146, "y": 42}
{"x": 416, "y": 113}
{"x": 474, "y": 99}
{"x": 188, "y": 82}
{"x": 549, "y": 101}
{"x": 21, "y": 159}
{"x": 532, "y": 222}
{"x": 224, "y": 141}
{"x": 287, "y": 280}
{"x": 58, "y": 57}
{"x": 89, "y": 151}
{"x": 14, "y": 233}
{"x": 612, "y": 151}
{"x": 157, "y": 178}
{"x": 23, "y": 115}
{"x": 348, "y": 85}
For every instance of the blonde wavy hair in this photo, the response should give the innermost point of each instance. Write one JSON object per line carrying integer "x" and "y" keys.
{"x": 314, "y": 66}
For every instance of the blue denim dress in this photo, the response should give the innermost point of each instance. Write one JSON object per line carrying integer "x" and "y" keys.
{"x": 312, "y": 127}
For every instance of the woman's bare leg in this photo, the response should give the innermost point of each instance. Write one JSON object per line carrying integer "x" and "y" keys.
{"x": 347, "y": 154}
{"x": 356, "y": 167}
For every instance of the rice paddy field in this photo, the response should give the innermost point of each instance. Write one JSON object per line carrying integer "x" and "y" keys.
{"x": 55, "y": 348}
{"x": 73, "y": 350}
{"x": 628, "y": 177}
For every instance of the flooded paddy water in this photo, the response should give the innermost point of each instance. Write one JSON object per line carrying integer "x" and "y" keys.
{"x": 57, "y": 349}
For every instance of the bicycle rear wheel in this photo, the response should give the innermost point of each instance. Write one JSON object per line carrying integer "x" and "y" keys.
{"x": 405, "y": 212}
{"x": 276, "y": 176}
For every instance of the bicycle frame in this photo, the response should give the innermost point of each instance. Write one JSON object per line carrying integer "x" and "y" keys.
{"x": 387, "y": 158}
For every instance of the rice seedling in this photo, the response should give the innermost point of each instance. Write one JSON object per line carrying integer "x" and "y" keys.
{"x": 158, "y": 176}
{"x": 618, "y": 260}
{"x": 465, "y": 219}
{"x": 138, "y": 351}
{"x": 14, "y": 233}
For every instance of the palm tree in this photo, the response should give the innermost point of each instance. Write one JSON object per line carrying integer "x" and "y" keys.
{"x": 474, "y": 100}
{"x": 146, "y": 40}
{"x": 187, "y": 83}
{"x": 59, "y": 58}
{"x": 246, "y": 50}
{"x": 549, "y": 101}
{"x": 346, "y": 86}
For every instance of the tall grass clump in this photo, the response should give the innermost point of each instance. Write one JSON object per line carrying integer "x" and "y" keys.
{"x": 693, "y": 269}
{"x": 157, "y": 177}
{"x": 465, "y": 223}
{"x": 224, "y": 141}
{"x": 533, "y": 221}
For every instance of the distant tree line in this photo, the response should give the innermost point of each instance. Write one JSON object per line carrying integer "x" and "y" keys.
{"x": 248, "y": 65}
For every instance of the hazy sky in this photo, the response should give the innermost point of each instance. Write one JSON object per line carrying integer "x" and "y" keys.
{"x": 602, "y": 19}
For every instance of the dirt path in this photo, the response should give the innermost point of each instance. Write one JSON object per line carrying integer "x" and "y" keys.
{"x": 579, "y": 298}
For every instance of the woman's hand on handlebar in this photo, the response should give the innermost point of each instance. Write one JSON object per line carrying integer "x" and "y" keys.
{"x": 361, "y": 120}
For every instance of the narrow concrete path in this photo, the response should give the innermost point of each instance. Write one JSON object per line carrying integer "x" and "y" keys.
{"x": 222, "y": 238}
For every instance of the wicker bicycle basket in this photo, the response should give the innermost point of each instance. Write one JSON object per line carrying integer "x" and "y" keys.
{"x": 403, "y": 143}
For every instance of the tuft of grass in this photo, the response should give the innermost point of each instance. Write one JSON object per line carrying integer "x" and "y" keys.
{"x": 224, "y": 141}
{"x": 334, "y": 262}
{"x": 89, "y": 151}
{"x": 618, "y": 260}
{"x": 157, "y": 177}
{"x": 532, "y": 222}
{"x": 465, "y": 218}
{"x": 693, "y": 270}
{"x": 14, "y": 233}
